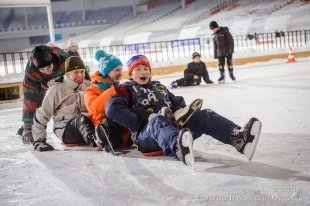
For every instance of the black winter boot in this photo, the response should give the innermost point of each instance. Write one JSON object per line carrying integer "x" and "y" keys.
{"x": 20, "y": 131}
{"x": 231, "y": 74}
{"x": 102, "y": 138}
{"x": 208, "y": 81}
{"x": 245, "y": 139}
{"x": 184, "y": 147}
{"x": 91, "y": 141}
{"x": 221, "y": 80}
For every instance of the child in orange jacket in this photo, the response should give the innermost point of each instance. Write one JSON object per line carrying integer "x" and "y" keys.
{"x": 98, "y": 94}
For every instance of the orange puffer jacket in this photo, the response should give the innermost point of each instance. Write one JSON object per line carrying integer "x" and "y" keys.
{"x": 96, "y": 99}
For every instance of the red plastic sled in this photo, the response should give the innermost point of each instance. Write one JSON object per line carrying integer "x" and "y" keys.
{"x": 74, "y": 145}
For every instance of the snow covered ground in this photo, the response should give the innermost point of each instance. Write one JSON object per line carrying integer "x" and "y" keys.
{"x": 279, "y": 174}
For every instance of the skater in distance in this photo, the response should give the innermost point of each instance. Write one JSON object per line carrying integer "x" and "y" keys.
{"x": 223, "y": 49}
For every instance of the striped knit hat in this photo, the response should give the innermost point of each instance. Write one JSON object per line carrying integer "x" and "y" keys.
{"x": 136, "y": 60}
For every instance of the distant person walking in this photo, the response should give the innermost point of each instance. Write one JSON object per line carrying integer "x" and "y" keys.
{"x": 223, "y": 49}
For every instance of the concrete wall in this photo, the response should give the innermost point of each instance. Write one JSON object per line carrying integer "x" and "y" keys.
{"x": 13, "y": 41}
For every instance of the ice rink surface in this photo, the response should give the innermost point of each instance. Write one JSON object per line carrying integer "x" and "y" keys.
{"x": 279, "y": 174}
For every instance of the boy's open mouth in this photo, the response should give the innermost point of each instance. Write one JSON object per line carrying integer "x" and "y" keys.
{"x": 143, "y": 78}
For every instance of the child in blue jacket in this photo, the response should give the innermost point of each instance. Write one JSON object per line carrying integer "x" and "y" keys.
{"x": 140, "y": 100}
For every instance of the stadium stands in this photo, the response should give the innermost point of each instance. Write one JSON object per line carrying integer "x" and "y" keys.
{"x": 166, "y": 20}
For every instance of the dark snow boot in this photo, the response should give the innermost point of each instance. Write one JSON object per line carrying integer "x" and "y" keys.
{"x": 221, "y": 80}
{"x": 207, "y": 78}
{"x": 184, "y": 147}
{"x": 20, "y": 131}
{"x": 231, "y": 74}
{"x": 102, "y": 138}
{"x": 174, "y": 84}
{"x": 182, "y": 115}
{"x": 245, "y": 139}
{"x": 208, "y": 81}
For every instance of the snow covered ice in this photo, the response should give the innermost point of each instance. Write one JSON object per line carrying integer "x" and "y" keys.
{"x": 279, "y": 173}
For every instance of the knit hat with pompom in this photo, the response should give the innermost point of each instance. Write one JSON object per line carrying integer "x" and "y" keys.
{"x": 106, "y": 62}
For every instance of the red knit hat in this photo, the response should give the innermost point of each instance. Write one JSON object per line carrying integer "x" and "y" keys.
{"x": 136, "y": 60}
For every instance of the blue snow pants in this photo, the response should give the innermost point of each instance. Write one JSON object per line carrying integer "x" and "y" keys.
{"x": 160, "y": 133}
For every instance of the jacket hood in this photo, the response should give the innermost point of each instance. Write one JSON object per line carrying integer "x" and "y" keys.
{"x": 66, "y": 80}
{"x": 57, "y": 80}
{"x": 225, "y": 29}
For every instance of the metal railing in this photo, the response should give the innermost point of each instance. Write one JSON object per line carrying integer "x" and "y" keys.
{"x": 11, "y": 63}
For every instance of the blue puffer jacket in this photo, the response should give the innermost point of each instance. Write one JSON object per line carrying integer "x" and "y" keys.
{"x": 130, "y": 95}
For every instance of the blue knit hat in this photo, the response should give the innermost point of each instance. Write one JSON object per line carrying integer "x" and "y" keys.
{"x": 106, "y": 62}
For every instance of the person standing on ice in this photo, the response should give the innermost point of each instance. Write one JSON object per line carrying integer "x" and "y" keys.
{"x": 64, "y": 101}
{"x": 45, "y": 63}
{"x": 160, "y": 120}
{"x": 193, "y": 73}
{"x": 72, "y": 48}
{"x": 223, "y": 49}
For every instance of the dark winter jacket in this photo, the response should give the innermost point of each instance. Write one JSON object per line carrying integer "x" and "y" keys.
{"x": 223, "y": 43}
{"x": 154, "y": 95}
{"x": 35, "y": 83}
{"x": 198, "y": 69}
{"x": 70, "y": 53}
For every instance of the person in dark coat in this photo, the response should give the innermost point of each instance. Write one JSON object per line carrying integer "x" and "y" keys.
{"x": 223, "y": 49}
{"x": 193, "y": 73}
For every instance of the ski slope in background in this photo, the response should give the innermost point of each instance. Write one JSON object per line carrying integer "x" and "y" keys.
{"x": 279, "y": 174}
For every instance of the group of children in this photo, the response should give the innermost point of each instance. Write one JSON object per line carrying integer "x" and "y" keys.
{"x": 139, "y": 111}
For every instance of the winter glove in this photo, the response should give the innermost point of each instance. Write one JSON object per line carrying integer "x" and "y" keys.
{"x": 123, "y": 90}
{"x": 27, "y": 134}
{"x": 143, "y": 113}
{"x": 42, "y": 146}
